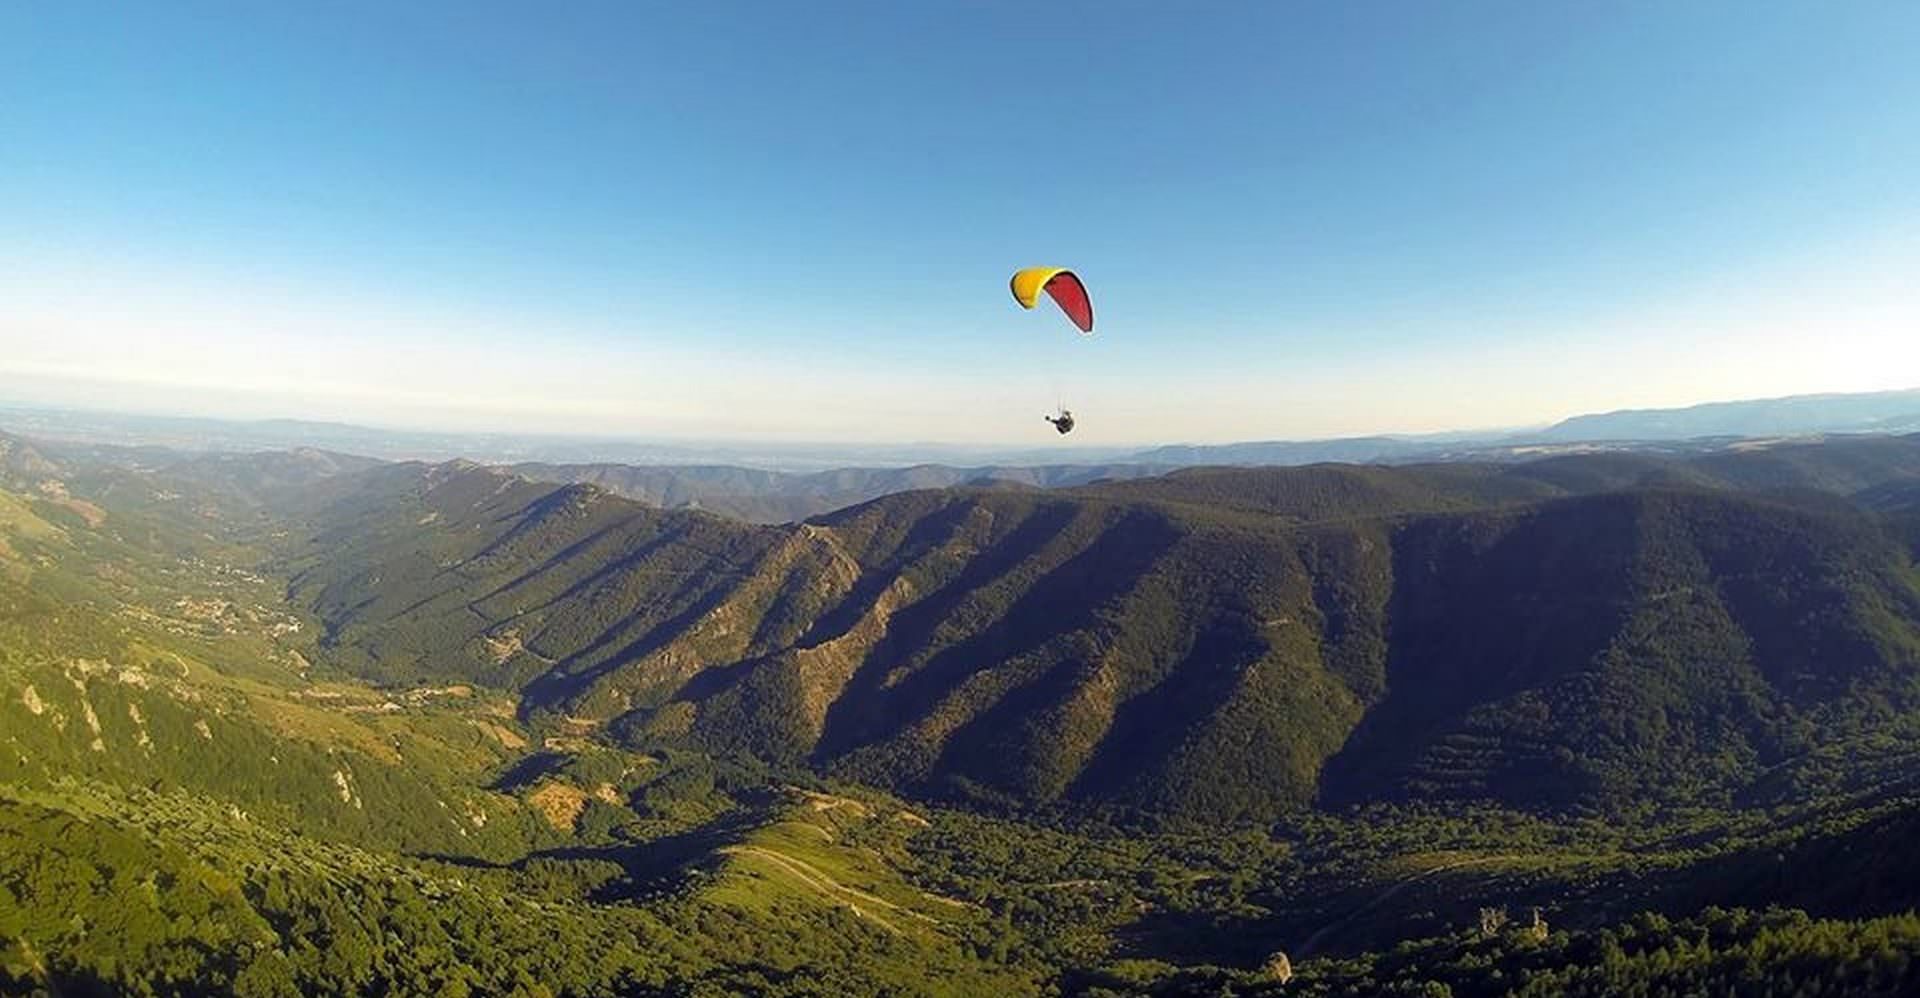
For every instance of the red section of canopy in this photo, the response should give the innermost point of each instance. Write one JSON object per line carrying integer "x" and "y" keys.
{"x": 1072, "y": 296}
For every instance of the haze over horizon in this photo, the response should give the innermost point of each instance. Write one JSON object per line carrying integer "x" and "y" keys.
{"x": 1296, "y": 223}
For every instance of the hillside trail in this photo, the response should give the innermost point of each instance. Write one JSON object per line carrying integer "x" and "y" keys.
{"x": 817, "y": 879}
{"x": 1313, "y": 942}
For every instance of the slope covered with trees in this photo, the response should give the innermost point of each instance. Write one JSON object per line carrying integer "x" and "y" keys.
{"x": 303, "y": 723}
{"x": 1214, "y": 644}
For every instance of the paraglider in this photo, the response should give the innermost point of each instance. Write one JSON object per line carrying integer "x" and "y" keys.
{"x": 1067, "y": 291}
{"x": 1060, "y": 284}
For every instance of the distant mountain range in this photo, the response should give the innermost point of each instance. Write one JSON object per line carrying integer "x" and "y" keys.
{"x": 785, "y": 483}
{"x": 780, "y": 497}
{"x": 1871, "y": 412}
{"x": 1706, "y": 425}
{"x": 206, "y": 434}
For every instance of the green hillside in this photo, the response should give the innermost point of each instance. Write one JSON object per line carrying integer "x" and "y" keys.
{"x": 300, "y": 723}
{"x": 1231, "y": 644}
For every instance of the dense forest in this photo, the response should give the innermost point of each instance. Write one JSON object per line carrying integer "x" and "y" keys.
{"x": 302, "y": 723}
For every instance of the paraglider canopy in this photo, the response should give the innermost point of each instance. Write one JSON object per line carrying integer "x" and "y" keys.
{"x": 1060, "y": 284}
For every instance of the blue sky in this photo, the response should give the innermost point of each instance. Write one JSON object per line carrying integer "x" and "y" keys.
{"x": 796, "y": 220}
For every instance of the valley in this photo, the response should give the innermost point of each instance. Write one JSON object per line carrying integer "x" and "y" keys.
{"x": 959, "y": 500}
{"x": 296, "y": 722}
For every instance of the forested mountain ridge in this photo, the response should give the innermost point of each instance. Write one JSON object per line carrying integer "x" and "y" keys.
{"x": 761, "y": 496}
{"x": 193, "y": 801}
{"x": 1215, "y": 644}
{"x": 303, "y": 723}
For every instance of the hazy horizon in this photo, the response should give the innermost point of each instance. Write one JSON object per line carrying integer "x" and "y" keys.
{"x": 510, "y": 444}
{"x": 1296, "y": 223}
{"x": 107, "y": 398}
